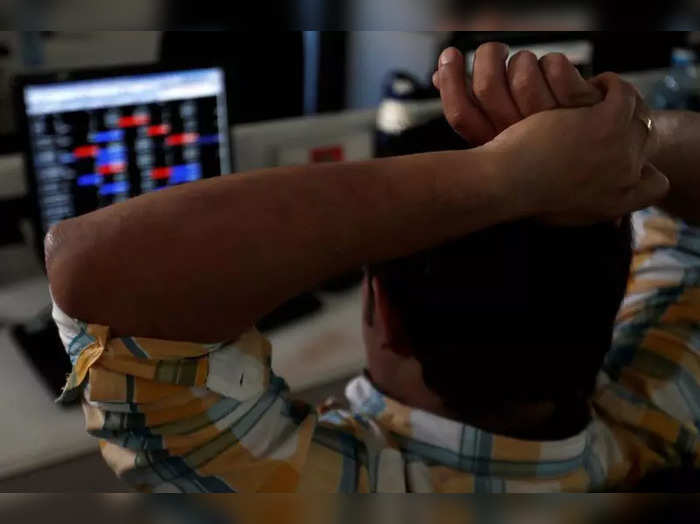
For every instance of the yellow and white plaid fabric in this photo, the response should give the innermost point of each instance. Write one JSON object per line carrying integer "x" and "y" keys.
{"x": 174, "y": 416}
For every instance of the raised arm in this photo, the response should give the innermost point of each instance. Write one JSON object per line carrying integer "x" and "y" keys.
{"x": 203, "y": 261}
{"x": 679, "y": 158}
{"x": 230, "y": 249}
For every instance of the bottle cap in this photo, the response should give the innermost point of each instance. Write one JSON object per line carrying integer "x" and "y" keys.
{"x": 683, "y": 56}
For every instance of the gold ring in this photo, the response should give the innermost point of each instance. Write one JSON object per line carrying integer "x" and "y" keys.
{"x": 648, "y": 123}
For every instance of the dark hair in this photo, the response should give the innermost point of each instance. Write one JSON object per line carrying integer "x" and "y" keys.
{"x": 516, "y": 312}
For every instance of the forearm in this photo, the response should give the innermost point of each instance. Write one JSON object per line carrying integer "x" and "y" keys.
{"x": 679, "y": 159}
{"x": 204, "y": 261}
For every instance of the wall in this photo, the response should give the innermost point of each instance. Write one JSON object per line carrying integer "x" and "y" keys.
{"x": 104, "y": 48}
{"x": 373, "y": 54}
{"x": 68, "y": 50}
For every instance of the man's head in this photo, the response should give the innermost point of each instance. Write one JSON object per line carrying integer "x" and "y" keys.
{"x": 517, "y": 313}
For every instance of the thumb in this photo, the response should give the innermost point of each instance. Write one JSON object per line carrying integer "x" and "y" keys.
{"x": 653, "y": 186}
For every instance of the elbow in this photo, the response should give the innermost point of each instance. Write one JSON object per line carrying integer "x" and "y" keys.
{"x": 61, "y": 261}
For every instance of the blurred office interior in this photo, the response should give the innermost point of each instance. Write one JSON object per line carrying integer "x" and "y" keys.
{"x": 293, "y": 97}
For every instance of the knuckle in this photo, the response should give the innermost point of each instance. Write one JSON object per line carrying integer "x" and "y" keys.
{"x": 483, "y": 86}
{"x": 608, "y": 79}
{"x": 555, "y": 65}
{"x": 615, "y": 82}
{"x": 523, "y": 68}
{"x": 627, "y": 90}
{"x": 608, "y": 76}
{"x": 522, "y": 83}
{"x": 456, "y": 118}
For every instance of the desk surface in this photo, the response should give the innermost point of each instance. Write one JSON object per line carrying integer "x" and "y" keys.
{"x": 35, "y": 432}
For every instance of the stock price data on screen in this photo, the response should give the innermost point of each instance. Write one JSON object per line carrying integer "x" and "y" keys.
{"x": 97, "y": 142}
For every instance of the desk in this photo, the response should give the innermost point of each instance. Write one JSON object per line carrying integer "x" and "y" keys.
{"x": 35, "y": 432}
{"x": 323, "y": 347}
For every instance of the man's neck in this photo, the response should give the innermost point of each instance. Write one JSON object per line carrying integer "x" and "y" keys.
{"x": 534, "y": 420}
{"x": 516, "y": 419}
{"x": 401, "y": 378}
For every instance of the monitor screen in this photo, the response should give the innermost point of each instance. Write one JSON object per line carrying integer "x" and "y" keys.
{"x": 100, "y": 141}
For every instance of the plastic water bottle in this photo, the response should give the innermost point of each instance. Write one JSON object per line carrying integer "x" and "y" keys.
{"x": 680, "y": 88}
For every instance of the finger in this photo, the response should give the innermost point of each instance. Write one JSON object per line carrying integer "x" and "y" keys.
{"x": 619, "y": 100}
{"x": 652, "y": 187}
{"x": 490, "y": 85}
{"x": 567, "y": 84}
{"x": 618, "y": 120}
{"x": 436, "y": 80}
{"x": 528, "y": 86}
{"x": 460, "y": 108}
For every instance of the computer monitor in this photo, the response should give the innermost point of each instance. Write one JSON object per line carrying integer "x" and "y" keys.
{"x": 93, "y": 138}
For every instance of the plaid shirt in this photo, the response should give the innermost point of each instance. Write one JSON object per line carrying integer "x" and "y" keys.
{"x": 175, "y": 416}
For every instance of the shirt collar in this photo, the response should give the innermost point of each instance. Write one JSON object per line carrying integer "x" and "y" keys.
{"x": 461, "y": 445}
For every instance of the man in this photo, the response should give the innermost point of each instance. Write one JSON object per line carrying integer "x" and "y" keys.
{"x": 209, "y": 415}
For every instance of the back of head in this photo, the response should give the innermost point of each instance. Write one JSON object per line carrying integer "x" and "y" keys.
{"x": 517, "y": 312}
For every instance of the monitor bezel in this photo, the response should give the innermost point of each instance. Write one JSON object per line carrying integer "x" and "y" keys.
{"x": 22, "y": 81}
